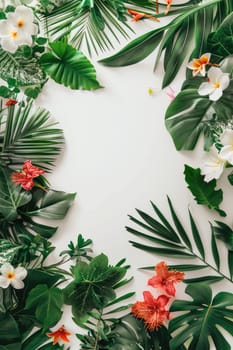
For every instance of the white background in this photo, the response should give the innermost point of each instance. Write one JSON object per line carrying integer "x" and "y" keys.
{"x": 118, "y": 156}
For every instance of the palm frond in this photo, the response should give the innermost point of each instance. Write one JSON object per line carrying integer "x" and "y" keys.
{"x": 27, "y": 133}
{"x": 94, "y": 26}
{"x": 162, "y": 243}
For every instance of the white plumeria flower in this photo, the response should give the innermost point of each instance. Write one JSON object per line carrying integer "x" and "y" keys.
{"x": 217, "y": 82}
{"x": 198, "y": 65}
{"x": 12, "y": 276}
{"x": 17, "y": 29}
{"x": 22, "y": 19}
{"x": 226, "y": 152}
{"x": 212, "y": 166}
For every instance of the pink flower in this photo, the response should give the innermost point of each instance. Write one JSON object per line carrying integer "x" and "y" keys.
{"x": 151, "y": 310}
{"x": 165, "y": 279}
{"x": 26, "y": 176}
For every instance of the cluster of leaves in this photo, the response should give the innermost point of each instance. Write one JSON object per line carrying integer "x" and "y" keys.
{"x": 176, "y": 39}
{"x": 198, "y": 320}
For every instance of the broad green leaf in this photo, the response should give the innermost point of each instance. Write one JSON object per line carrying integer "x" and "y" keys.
{"x": 204, "y": 192}
{"x": 12, "y": 196}
{"x": 136, "y": 50}
{"x": 69, "y": 67}
{"x": 54, "y": 205}
{"x": 9, "y": 332}
{"x": 201, "y": 318}
{"x": 25, "y": 71}
{"x": 130, "y": 334}
{"x": 46, "y": 303}
{"x": 93, "y": 285}
{"x": 220, "y": 43}
{"x": 184, "y": 118}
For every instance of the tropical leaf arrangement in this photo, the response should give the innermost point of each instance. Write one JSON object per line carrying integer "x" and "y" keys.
{"x": 45, "y": 40}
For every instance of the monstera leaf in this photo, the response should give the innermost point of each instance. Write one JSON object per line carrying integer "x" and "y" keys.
{"x": 201, "y": 318}
{"x": 69, "y": 67}
{"x": 12, "y": 196}
{"x": 189, "y": 114}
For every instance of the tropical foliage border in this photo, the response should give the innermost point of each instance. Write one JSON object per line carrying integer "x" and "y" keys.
{"x": 46, "y": 40}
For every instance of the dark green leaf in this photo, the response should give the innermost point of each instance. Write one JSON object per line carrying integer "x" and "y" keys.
{"x": 196, "y": 236}
{"x": 93, "y": 285}
{"x": 224, "y": 233}
{"x": 201, "y": 318}
{"x": 46, "y": 303}
{"x": 204, "y": 192}
{"x": 230, "y": 263}
{"x": 220, "y": 43}
{"x": 214, "y": 249}
{"x": 205, "y": 279}
{"x": 69, "y": 67}
{"x": 12, "y": 196}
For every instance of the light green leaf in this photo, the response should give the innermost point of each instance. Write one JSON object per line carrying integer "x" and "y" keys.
{"x": 69, "y": 67}
{"x": 204, "y": 192}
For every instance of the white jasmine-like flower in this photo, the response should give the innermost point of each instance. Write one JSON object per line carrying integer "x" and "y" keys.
{"x": 226, "y": 152}
{"x": 212, "y": 166}
{"x": 17, "y": 29}
{"x": 217, "y": 82}
{"x": 12, "y": 276}
{"x": 22, "y": 19}
{"x": 198, "y": 65}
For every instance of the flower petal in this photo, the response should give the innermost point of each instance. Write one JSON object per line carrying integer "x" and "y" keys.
{"x": 205, "y": 89}
{"x": 216, "y": 94}
{"x": 20, "y": 272}
{"x": 9, "y": 45}
{"x": 227, "y": 153}
{"x": 214, "y": 73}
{"x": 6, "y": 268}
{"x": 4, "y": 282}
{"x": 17, "y": 283}
{"x": 224, "y": 81}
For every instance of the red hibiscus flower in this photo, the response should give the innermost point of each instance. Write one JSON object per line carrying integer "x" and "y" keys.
{"x": 151, "y": 310}
{"x": 60, "y": 334}
{"x": 26, "y": 176}
{"x": 165, "y": 278}
{"x": 10, "y": 102}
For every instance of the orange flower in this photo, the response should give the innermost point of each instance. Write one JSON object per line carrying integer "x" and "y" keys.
{"x": 60, "y": 334}
{"x": 26, "y": 176}
{"x": 198, "y": 65}
{"x": 165, "y": 279}
{"x": 140, "y": 15}
{"x": 10, "y": 102}
{"x": 151, "y": 310}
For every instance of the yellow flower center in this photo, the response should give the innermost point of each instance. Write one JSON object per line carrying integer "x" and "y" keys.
{"x": 10, "y": 275}
{"x": 20, "y": 23}
{"x": 217, "y": 85}
{"x": 14, "y": 34}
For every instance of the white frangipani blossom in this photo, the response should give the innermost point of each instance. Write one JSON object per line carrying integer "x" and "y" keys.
{"x": 212, "y": 165}
{"x": 226, "y": 152}
{"x": 217, "y": 82}
{"x": 17, "y": 29}
{"x": 12, "y": 276}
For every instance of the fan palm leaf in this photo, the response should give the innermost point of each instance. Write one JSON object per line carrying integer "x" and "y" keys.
{"x": 172, "y": 240}
{"x": 27, "y": 133}
{"x": 91, "y": 24}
